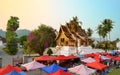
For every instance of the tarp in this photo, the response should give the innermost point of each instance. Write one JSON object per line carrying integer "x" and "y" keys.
{"x": 32, "y": 65}
{"x": 109, "y": 56}
{"x": 16, "y": 73}
{"x": 117, "y": 58}
{"x": 53, "y": 68}
{"x": 8, "y": 69}
{"x": 97, "y": 65}
{"x": 104, "y": 58}
{"x": 72, "y": 56}
{"x": 60, "y": 72}
{"x": 88, "y": 60}
{"x": 61, "y": 57}
{"x": 82, "y": 70}
{"x": 98, "y": 59}
{"x": 44, "y": 58}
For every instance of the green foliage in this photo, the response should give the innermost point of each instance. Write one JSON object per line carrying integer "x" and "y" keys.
{"x": 11, "y": 44}
{"x": 49, "y": 52}
{"x": 41, "y": 38}
{"x": 22, "y": 39}
{"x": 104, "y": 28}
{"x": 13, "y": 24}
{"x": 89, "y": 32}
{"x": 106, "y": 45}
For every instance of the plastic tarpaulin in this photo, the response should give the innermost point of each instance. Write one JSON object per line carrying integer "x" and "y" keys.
{"x": 97, "y": 65}
{"x": 53, "y": 68}
{"x": 82, "y": 70}
{"x": 32, "y": 65}
{"x": 44, "y": 58}
{"x": 8, "y": 69}
{"x": 16, "y": 73}
{"x": 88, "y": 60}
{"x": 60, "y": 72}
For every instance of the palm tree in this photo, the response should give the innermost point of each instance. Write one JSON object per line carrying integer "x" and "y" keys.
{"x": 89, "y": 32}
{"x": 108, "y": 25}
{"x": 99, "y": 31}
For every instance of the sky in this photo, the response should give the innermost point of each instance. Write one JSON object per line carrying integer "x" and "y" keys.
{"x": 54, "y": 13}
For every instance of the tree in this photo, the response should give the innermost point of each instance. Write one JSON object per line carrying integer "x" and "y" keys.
{"x": 41, "y": 38}
{"x": 74, "y": 26}
{"x": 89, "y": 32}
{"x": 108, "y": 25}
{"x": 11, "y": 44}
{"x": 49, "y": 52}
{"x": 22, "y": 39}
{"x": 99, "y": 31}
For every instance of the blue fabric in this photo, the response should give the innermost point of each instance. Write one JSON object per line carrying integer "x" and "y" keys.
{"x": 113, "y": 52}
{"x": 16, "y": 73}
{"x": 104, "y": 58}
{"x": 53, "y": 68}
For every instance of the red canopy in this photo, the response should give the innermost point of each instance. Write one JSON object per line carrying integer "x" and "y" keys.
{"x": 8, "y": 69}
{"x": 44, "y": 58}
{"x": 72, "y": 56}
{"x": 60, "y": 72}
{"x": 98, "y": 59}
{"x": 90, "y": 55}
{"x": 109, "y": 56}
{"x": 117, "y": 58}
{"x": 97, "y": 65}
{"x": 61, "y": 57}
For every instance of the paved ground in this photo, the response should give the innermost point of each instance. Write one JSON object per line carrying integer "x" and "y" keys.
{"x": 7, "y": 59}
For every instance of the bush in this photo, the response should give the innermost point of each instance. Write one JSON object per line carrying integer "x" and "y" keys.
{"x": 49, "y": 52}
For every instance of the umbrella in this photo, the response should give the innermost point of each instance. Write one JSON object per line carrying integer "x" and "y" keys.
{"x": 32, "y": 65}
{"x": 97, "y": 65}
{"x": 53, "y": 68}
{"x": 60, "y": 72}
{"x": 82, "y": 70}
{"x": 16, "y": 73}
{"x": 8, "y": 69}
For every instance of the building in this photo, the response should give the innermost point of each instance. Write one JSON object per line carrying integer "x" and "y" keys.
{"x": 66, "y": 37}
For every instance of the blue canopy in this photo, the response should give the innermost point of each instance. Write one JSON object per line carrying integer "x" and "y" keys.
{"x": 53, "y": 68}
{"x": 16, "y": 73}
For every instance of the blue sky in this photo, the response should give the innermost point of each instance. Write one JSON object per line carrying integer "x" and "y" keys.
{"x": 55, "y": 12}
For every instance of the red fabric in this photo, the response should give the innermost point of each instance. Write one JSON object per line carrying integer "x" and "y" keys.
{"x": 98, "y": 59}
{"x": 61, "y": 57}
{"x": 117, "y": 58}
{"x": 72, "y": 56}
{"x": 60, "y": 72}
{"x": 104, "y": 53}
{"x": 89, "y": 55}
{"x": 44, "y": 58}
{"x": 97, "y": 65}
{"x": 8, "y": 69}
{"x": 109, "y": 56}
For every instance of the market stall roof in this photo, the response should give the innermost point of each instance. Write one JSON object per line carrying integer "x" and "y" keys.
{"x": 97, "y": 65}
{"x": 82, "y": 70}
{"x": 8, "y": 69}
{"x": 53, "y": 68}
{"x": 32, "y": 65}
{"x": 60, "y": 72}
